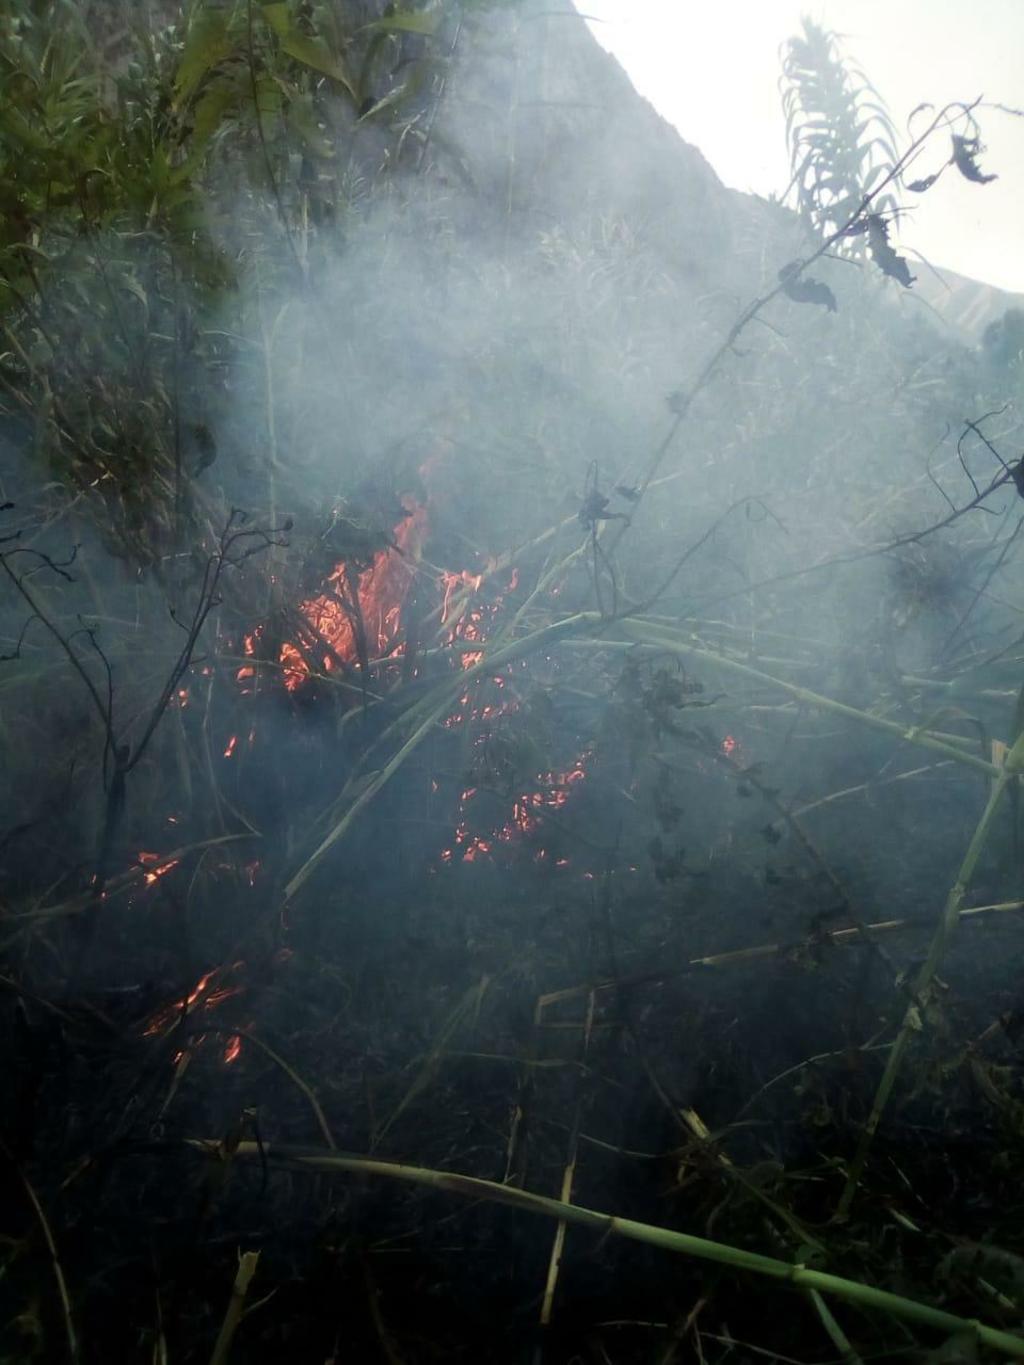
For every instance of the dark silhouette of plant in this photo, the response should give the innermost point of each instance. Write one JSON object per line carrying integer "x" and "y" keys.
{"x": 841, "y": 139}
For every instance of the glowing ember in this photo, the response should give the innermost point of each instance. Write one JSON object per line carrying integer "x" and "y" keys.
{"x": 246, "y": 672}
{"x": 204, "y": 995}
{"x": 155, "y": 866}
{"x": 230, "y": 747}
{"x": 729, "y": 745}
{"x": 527, "y": 809}
{"x": 233, "y": 1050}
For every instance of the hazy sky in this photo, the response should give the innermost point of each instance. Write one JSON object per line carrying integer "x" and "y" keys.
{"x": 712, "y": 70}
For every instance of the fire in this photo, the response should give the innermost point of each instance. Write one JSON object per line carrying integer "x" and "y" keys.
{"x": 450, "y": 582}
{"x": 358, "y": 619}
{"x": 156, "y": 868}
{"x": 204, "y": 995}
{"x": 247, "y": 671}
{"x": 552, "y": 793}
{"x": 371, "y": 605}
{"x": 474, "y": 620}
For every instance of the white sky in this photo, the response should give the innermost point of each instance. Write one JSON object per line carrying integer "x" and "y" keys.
{"x": 712, "y": 68}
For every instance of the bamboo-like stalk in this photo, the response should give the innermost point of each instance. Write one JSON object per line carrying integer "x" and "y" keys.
{"x": 762, "y": 950}
{"x": 608, "y": 1225}
{"x": 1008, "y": 774}
{"x": 835, "y": 1332}
{"x": 236, "y": 1306}
{"x": 340, "y": 829}
{"x": 568, "y": 1176}
{"x": 74, "y": 1353}
{"x": 289, "y": 1071}
{"x": 125, "y": 881}
{"x": 644, "y": 632}
{"x": 425, "y": 715}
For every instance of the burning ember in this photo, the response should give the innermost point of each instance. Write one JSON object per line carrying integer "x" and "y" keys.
{"x": 155, "y": 865}
{"x": 205, "y": 995}
{"x": 552, "y": 793}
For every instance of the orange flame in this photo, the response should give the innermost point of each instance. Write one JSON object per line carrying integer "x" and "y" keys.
{"x": 380, "y": 592}
{"x": 202, "y": 996}
{"x": 155, "y": 867}
{"x": 552, "y": 793}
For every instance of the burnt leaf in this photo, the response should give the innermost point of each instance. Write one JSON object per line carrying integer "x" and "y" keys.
{"x": 593, "y": 508}
{"x": 883, "y": 255}
{"x": 919, "y": 186}
{"x": 205, "y": 445}
{"x": 966, "y": 150}
{"x": 805, "y": 290}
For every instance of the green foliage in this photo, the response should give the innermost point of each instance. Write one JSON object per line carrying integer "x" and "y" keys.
{"x": 123, "y": 183}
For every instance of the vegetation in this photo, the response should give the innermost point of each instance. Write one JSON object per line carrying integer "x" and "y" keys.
{"x": 445, "y": 781}
{"x": 841, "y": 138}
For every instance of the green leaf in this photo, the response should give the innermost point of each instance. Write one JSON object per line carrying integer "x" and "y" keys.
{"x": 207, "y": 44}
{"x": 211, "y": 111}
{"x": 311, "y": 52}
{"x": 408, "y": 21}
{"x": 277, "y": 17}
{"x": 131, "y": 283}
{"x": 302, "y": 116}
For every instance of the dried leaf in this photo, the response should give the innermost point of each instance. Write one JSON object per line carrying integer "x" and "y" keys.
{"x": 919, "y": 186}
{"x": 805, "y": 290}
{"x": 882, "y": 253}
{"x": 965, "y": 152}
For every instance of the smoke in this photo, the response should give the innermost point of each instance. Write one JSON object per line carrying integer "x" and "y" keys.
{"x": 556, "y": 630}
